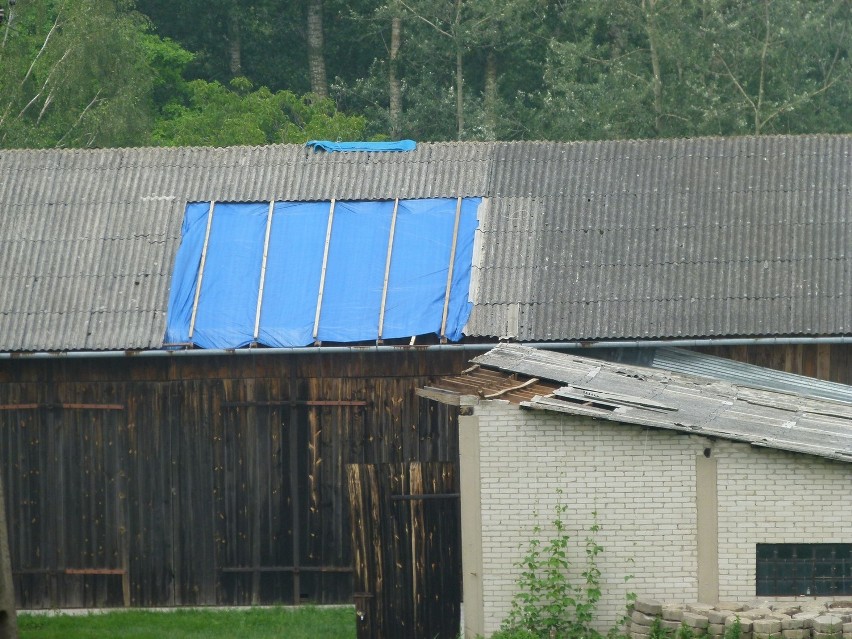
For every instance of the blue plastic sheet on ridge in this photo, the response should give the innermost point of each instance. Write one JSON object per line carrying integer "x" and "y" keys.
{"x": 354, "y": 278}
{"x": 343, "y": 147}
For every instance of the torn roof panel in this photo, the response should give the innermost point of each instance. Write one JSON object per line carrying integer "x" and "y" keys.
{"x": 570, "y": 384}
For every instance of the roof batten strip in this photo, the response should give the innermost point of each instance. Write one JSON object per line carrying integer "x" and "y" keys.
{"x": 450, "y": 270}
{"x": 201, "y": 269}
{"x": 324, "y": 267}
{"x": 263, "y": 269}
{"x": 387, "y": 267}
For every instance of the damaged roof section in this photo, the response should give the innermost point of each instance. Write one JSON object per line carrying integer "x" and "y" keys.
{"x": 574, "y": 385}
{"x": 580, "y": 241}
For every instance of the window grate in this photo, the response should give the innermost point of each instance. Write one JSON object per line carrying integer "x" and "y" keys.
{"x": 804, "y": 569}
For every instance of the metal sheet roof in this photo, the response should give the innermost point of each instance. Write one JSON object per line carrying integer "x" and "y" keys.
{"x": 684, "y": 403}
{"x": 582, "y": 241}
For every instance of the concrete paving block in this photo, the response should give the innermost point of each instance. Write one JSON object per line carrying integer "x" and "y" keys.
{"x": 757, "y": 613}
{"x": 808, "y": 617}
{"x": 672, "y": 613}
{"x": 694, "y": 620}
{"x": 717, "y": 629}
{"x": 756, "y": 604}
{"x": 789, "y": 610}
{"x": 796, "y": 633}
{"x": 718, "y": 616}
{"x": 826, "y": 635}
{"x": 746, "y": 625}
{"x": 667, "y": 624}
{"x": 648, "y": 606}
{"x": 828, "y": 624}
{"x": 767, "y": 626}
{"x": 733, "y": 606}
{"x": 640, "y": 630}
{"x": 842, "y": 603}
{"x": 699, "y": 608}
{"x": 641, "y": 619}
{"x": 792, "y": 624}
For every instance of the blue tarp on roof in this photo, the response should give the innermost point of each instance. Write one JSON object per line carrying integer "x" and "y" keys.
{"x": 325, "y": 145}
{"x": 355, "y": 267}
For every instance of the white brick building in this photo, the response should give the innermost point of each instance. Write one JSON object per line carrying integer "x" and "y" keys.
{"x": 684, "y": 476}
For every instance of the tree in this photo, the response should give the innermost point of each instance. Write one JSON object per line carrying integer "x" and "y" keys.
{"x": 74, "y": 75}
{"x": 782, "y": 65}
{"x": 215, "y": 115}
{"x": 664, "y": 68}
{"x": 316, "y": 49}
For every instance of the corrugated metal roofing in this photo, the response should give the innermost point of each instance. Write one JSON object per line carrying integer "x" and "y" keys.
{"x": 702, "y": 365}
{"x": 582, "y": 241}
{"x": 684, "y": 403}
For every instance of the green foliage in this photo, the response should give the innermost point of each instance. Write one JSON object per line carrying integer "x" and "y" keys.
{"x": 547, "y": 603}
{"x": 651, "y": 68}
{"x": 685, "y": 632}
{"x": 734, "y": 631}
{"x": 74, "y": 74}
{"x": 95, "y": 73}
{"x": 215, "y": 115}
{"x": 657, "y": 630}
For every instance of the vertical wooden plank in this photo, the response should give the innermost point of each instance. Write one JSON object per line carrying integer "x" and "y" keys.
{"x": 841, "y": 363}
{"x": 296, "y": 483}
{"x": 823, "y": 361}
{"x": 368, "y": 550}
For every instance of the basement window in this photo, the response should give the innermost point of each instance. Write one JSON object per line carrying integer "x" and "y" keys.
{"x": 804, "y": 570}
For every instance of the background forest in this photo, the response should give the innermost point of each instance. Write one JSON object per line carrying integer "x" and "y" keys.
{"x": 99, "y": 73}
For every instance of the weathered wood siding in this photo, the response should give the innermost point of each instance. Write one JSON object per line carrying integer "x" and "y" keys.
{"x": 202, "y": 480}
{"x": 210, "y": 480}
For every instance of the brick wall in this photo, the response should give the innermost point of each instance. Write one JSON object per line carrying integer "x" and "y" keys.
{"x": 642, "y": 485}
{"x": 771, "y": 496}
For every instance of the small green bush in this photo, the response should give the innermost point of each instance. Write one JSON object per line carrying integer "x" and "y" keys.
{"x": 547, "y": 604}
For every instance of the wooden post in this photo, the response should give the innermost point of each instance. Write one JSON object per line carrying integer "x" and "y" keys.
{"x": 8, "y": 618}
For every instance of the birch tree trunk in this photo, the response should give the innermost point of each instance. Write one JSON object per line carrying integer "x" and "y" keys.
{"x": 316, "y": 49}
{"x": 459, "y": 71}
{"x": 649, "y": 8}
{"x": 395, "y": 90}
{"x": 490, "y": 97}
{"x": 235, "y": 43}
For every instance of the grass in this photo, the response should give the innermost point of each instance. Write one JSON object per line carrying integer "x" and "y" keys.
{"x": 250, "y": 623}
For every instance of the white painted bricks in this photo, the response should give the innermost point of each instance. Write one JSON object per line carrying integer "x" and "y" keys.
{"x": 641, "y": 484}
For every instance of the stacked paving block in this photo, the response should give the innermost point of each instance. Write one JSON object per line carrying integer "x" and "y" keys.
{"x": 757, "y": 620}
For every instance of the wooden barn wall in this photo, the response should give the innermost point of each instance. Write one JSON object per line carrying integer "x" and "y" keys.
{"x": 202, "y": 480}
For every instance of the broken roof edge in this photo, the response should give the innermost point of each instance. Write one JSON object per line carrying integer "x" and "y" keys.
{"x": 710, "y": 408}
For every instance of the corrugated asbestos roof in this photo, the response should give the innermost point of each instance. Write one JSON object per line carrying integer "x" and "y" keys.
{"x": 673, "y": 401}
{"x": 579, "y": 241}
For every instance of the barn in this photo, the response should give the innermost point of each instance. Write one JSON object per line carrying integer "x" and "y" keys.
{"x": 694, "y": 490}
{"x": 182, "y": 383}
